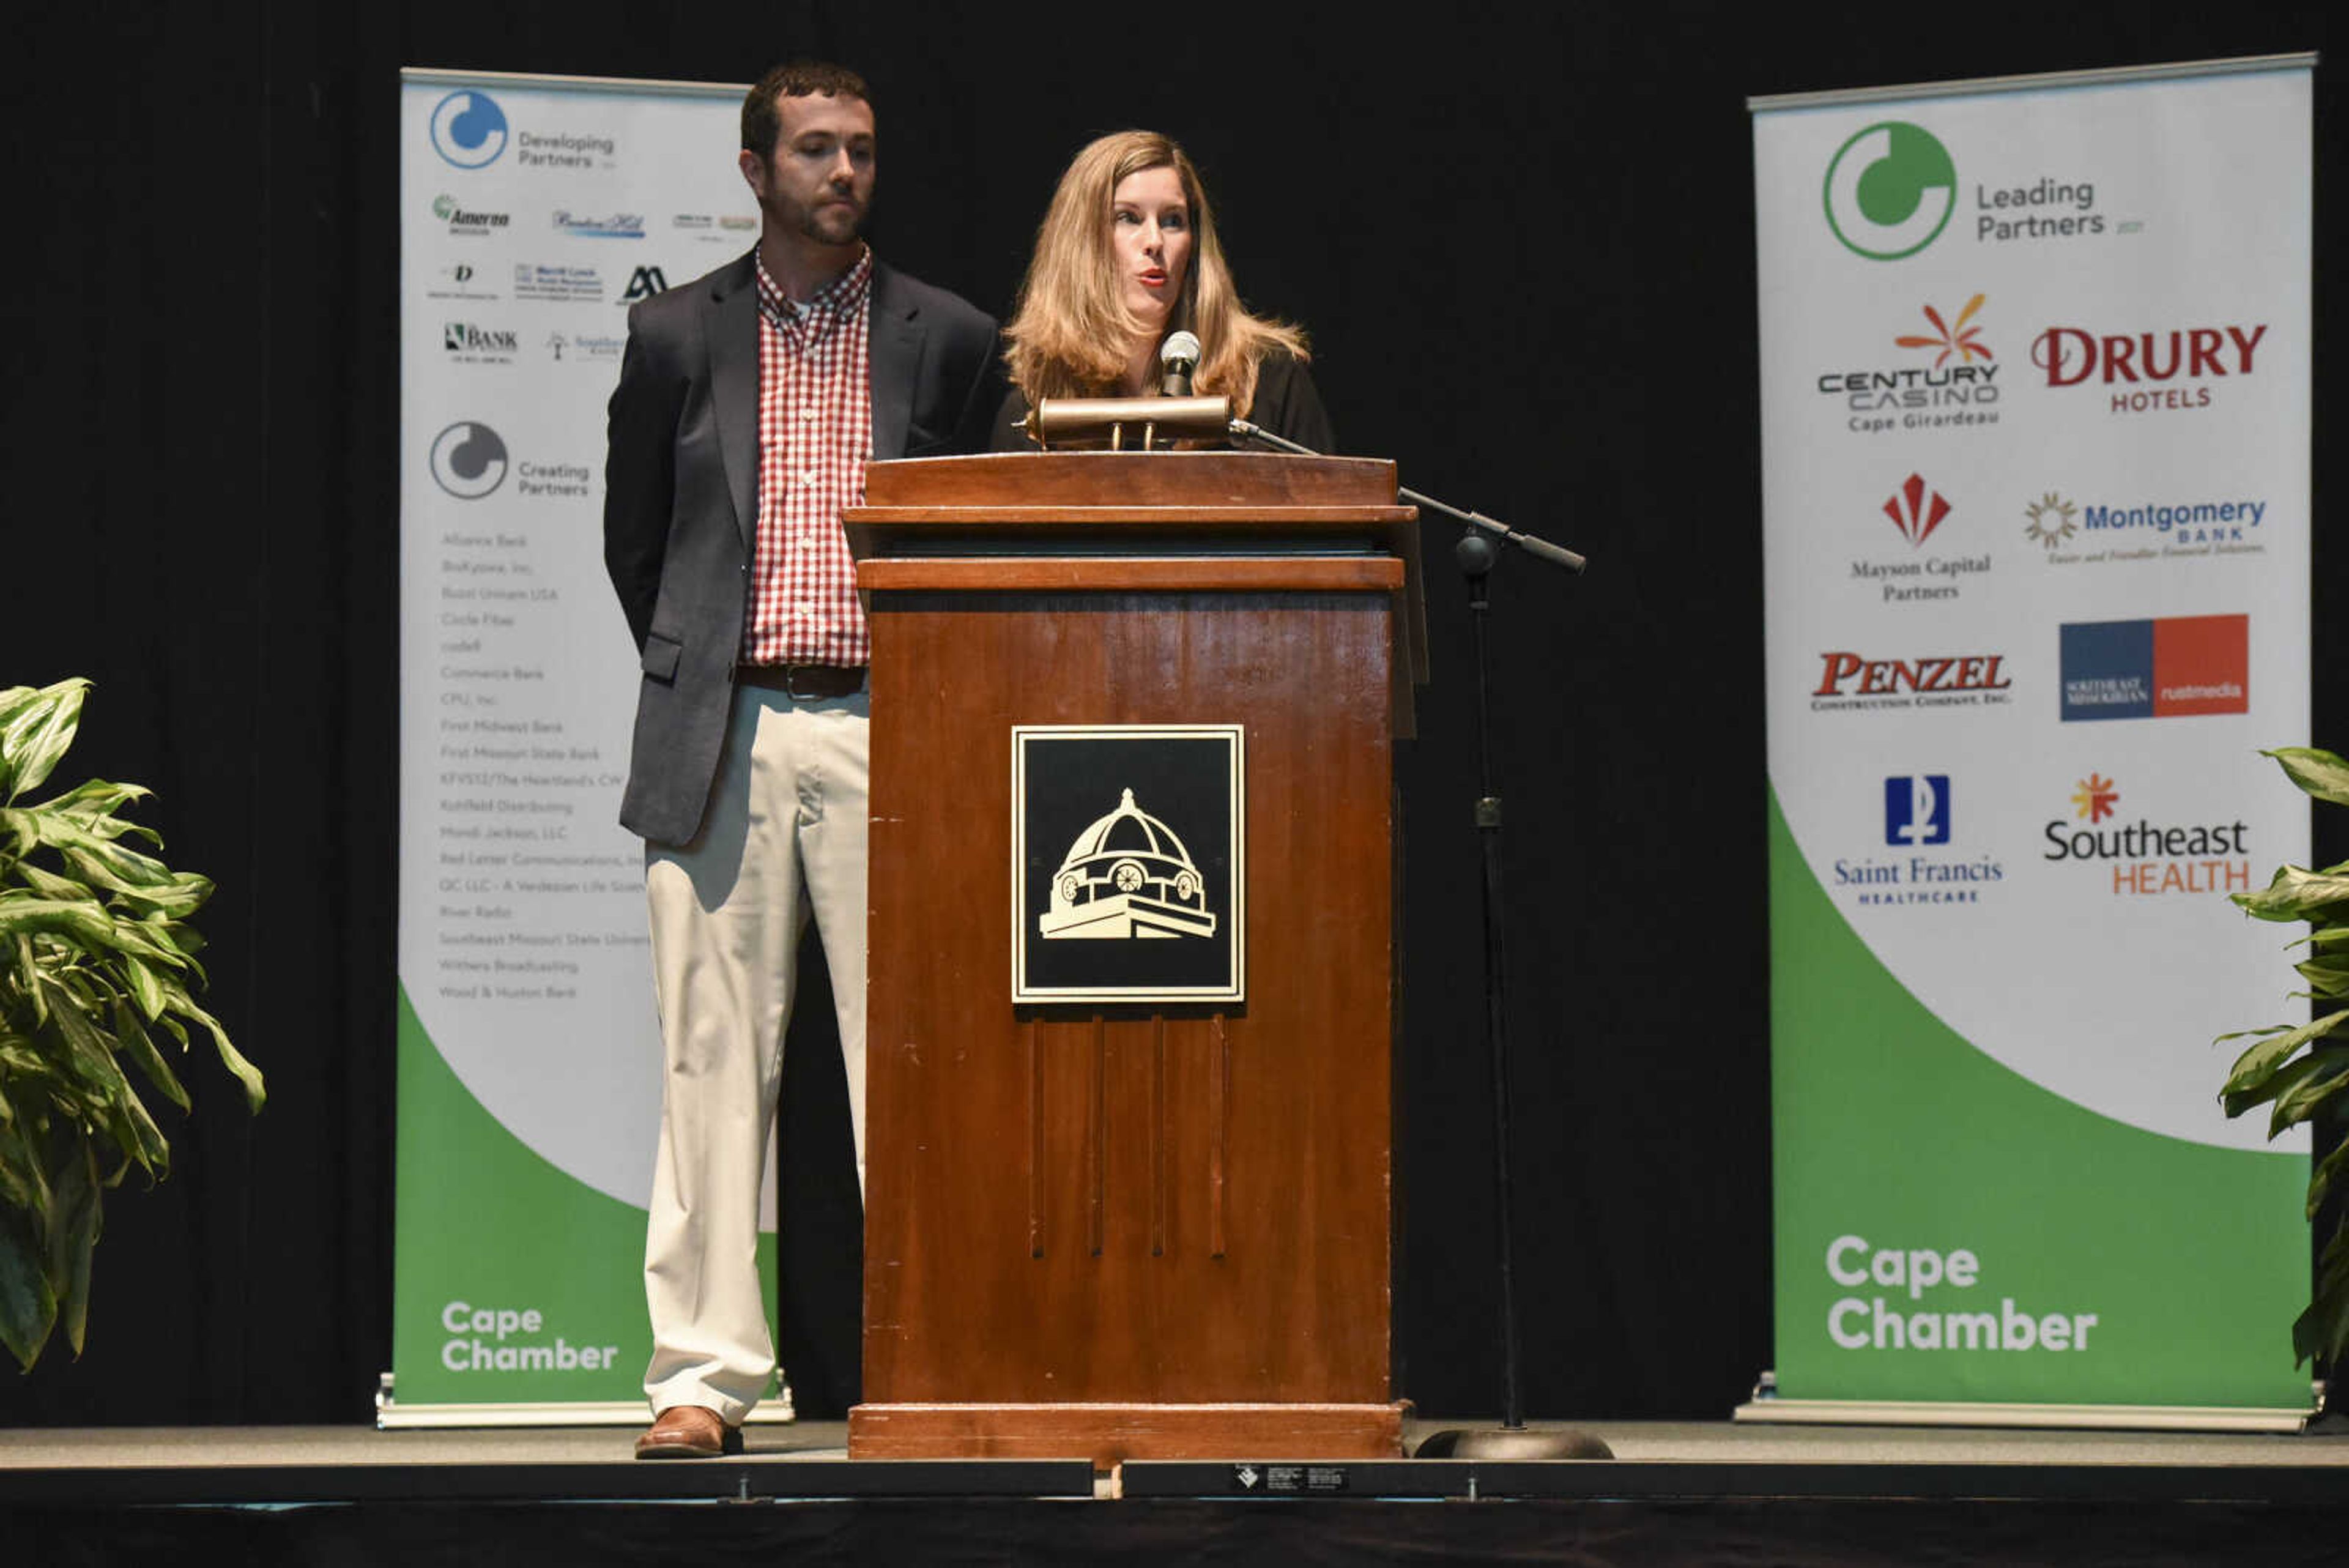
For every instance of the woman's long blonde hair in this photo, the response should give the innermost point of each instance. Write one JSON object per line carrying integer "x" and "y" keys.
{"x": 1073, "y": 334}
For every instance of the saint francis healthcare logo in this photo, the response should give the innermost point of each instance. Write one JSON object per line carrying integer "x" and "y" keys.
{"x": 1917, "y": 809}
{"x": 468, "y": 460}
{"x": 2142, "y": 857}
{"x": 1916, "y": 819}
{"x": 468, "y": 129}
{"x": 2176, "y": 667}
{"x": 1127, "y": 863}
{"x": 1948, "y": 378}
{"x": 1889, "y": 191}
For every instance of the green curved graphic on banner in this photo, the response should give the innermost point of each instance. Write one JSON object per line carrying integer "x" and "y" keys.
{"x": 1994, "y": 1240}
{"x": 512, "y": 1282}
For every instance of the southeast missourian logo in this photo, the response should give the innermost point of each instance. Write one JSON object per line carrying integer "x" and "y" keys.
{"x": 1127, "y": 876}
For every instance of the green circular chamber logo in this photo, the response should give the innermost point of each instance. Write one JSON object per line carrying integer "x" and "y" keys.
{"x": 1890, "y": 190}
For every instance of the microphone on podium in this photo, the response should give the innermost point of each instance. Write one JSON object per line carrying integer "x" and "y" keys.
{"x": 1178, "y": 356}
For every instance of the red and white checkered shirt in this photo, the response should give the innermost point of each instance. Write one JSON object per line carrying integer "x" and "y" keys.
{"x": 815, "y": 434}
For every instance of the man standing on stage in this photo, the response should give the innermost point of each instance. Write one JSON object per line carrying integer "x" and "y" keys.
{"x": 749, "y": 402}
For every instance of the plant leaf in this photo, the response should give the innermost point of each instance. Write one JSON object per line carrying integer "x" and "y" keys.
{"x": 139, "y": 1047}
{"x": 2255, "y": 1063}
{"x": 2295, "y": 894}
{"x": 2318, "y": 773}
{"x": 2299, "y": 1103}
{"x": 74, "y": 1221}
{"x": 256, "y": 1094}
{"x": 2321, "y": 1178}
{"x": 28, "y": 1306}
{"x": 34, "y": 734}
{"x": 2280, "y": 1081}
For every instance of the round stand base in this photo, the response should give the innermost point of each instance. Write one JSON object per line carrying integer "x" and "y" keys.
{"x": 1522, "y": 1443}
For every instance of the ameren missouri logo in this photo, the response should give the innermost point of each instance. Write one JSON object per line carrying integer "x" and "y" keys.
{"x": 1934, "y": 680}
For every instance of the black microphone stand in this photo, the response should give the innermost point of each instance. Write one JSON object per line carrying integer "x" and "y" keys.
{"x": 1476, "y": 554}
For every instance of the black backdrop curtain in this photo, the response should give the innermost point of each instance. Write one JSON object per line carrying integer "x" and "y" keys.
{"x": 1523, "y": 244}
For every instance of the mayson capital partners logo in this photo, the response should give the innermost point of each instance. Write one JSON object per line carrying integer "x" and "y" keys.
{"x": 1919, "y": 576}
{"x": 1889, "y": 191}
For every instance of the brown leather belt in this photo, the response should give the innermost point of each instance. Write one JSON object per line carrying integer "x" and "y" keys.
{"x": 802, "y": 681}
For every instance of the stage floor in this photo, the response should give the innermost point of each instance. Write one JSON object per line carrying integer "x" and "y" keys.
{"x": 1654, "y": 1460}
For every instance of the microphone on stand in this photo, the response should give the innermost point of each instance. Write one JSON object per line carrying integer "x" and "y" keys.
{"x": 1178, "y": 356}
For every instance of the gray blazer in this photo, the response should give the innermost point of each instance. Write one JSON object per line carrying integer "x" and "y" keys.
{"x": 681, "y": 495}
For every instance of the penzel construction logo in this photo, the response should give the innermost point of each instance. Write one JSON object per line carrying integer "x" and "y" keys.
{"x": 2176, "y": 667}
{"x": 1848, "y": 680}
{"x": 2148, "y": 858}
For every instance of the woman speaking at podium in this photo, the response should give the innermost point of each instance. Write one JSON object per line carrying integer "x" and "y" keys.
{"x": 1127, "y": 256}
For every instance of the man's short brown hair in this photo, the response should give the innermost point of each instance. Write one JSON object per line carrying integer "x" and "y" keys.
{"x": 762, "y": 119}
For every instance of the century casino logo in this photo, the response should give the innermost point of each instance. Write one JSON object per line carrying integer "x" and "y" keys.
{"x": 1850, "y": 679}
{"x": 1948, "y": 378}
{"x": 2168, "y": 368}
{"x": 2143, "y": 857}
{"x": 2175, "y": 666}
{"x": 1917, "y": 576}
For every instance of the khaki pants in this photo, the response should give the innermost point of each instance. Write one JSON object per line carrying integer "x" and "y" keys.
{"x": 784, "y": 839}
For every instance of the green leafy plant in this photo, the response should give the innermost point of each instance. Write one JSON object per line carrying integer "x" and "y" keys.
{"x": 97, "y": 960}
{"x": 2303, "y": 1068}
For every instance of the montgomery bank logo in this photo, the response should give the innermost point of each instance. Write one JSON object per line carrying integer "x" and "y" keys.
{"x": 1889, "y": 191}
{"x": 2170, "y": 667}
{"x": 1948, "y": 379}
{"x": 1855, "y": 680}
{"x": 2172, "y": 367}
{"x": 2139, "y": 528}
{"x": 2145, "y": 857}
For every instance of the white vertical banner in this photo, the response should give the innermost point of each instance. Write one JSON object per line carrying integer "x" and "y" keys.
{"x": 534, "y": 210}
{"x": 2035, "y": 359}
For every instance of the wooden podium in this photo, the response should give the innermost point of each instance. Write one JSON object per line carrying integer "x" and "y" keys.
{"x": 1124, "y": 1230}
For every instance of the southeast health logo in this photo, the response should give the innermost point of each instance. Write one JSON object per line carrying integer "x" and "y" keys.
{"x": 468, "y": 129}
{"x": 1917, "y": 809}
{"x": 1890, "y": 190}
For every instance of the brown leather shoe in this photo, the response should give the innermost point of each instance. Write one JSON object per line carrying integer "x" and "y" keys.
{"x": 689, "y": 1432}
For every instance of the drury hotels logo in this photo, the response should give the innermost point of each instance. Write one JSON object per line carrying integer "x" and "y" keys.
{"x": 470, "y": 461}
{"x": 1851, "y": 680}
{"x": 2143, "y": 857}
{"x": 459, "y": 280}
{"x": 1918, "y": 818}
{"x": 2144, "y": 529}
{"x": 1948, "y": 378}
{"x": 2168, "y": 368}
{"x": 1128, "y": 868}
{"x": 2176, "y": 667}
{"x": 1892, "y": 188}
{"x": 1917, "y": 575}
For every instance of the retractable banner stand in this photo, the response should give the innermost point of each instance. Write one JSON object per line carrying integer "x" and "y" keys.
{"x": 2034, "y": 363}
{"x": 534, "y": 210}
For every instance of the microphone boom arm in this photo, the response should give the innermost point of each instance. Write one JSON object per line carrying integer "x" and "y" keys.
{"x": 1539, "y": 548}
